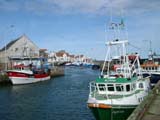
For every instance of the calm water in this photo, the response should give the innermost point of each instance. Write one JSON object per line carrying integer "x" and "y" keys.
{"x": 62, "y": 98}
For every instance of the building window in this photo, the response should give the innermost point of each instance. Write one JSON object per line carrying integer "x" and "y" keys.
{"x": 16, "y": 49}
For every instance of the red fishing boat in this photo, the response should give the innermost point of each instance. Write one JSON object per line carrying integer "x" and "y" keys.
{"x": 26, "y": 74}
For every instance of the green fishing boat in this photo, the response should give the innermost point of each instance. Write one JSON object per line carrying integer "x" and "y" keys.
{"x": 115, "y": 94}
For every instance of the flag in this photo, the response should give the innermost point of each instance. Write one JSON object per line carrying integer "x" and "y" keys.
{"x": 121, "y": 24}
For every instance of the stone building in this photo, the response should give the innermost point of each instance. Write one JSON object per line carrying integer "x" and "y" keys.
{"x": 21, "y": 47}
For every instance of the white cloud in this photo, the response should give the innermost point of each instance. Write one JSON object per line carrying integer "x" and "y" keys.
{"x": 89, "y": 6}
{"x": 8, "y": 5}
{"x": 81, "y": 6}
{"x": 103, "y": 6}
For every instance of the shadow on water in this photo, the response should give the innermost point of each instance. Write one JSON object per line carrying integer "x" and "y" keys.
{"x": 61, "y": 98}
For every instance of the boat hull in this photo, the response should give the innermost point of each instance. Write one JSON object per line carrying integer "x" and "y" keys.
{"x": 154, "y": 77}
{"x": 18, "y": 78}
{"x": 114, "y": 113}
{"x": 19, "y": 81}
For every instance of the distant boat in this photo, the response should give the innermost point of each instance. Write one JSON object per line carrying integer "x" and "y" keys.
{"x": 68, "y": 64}
{"x": 87, "y": 64}
{"x": 81, "y": 64}
{"x": 24, "y": 75}
{"x": 74, "y": 64}
{"x": 95, "y": 67}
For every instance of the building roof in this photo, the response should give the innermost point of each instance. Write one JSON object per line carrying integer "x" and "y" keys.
{"x": 10, "y": 44}
{"x": 13, "y": 41}
{"x": 61, "y": 53}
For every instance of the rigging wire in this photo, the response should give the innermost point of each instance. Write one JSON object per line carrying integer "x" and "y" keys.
{"x": 134, "y": 46}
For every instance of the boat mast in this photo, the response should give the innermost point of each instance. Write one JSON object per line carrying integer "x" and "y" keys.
{"x": 118, "y": 37}
{"x": 150, "y": 56}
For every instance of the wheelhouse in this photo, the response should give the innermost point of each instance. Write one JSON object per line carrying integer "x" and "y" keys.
{"x": 116, "y": 88}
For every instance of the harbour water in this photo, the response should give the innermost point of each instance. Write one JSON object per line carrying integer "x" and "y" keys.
{"x": 62, "y": 98}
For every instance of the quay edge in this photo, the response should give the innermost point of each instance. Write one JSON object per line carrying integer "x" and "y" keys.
{"x": 57, "y": 71}
{"x": 142, "y": 111}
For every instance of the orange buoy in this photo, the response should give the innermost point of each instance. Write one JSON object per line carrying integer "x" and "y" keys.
{"x": 104, "y": 106}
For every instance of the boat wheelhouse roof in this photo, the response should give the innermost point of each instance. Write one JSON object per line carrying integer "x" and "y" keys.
{"x": 115, "y": 80}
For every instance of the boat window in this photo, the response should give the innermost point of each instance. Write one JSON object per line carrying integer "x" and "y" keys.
{"x": 110, "y": 87}
{"x": 133, "y": 86}
{"x": 141, "y": 85}
{"x": 119, "y": 87}
{"x": 128, "y": 88}
{"x": 102, "y": 87}
{"x": 155, "y": 68}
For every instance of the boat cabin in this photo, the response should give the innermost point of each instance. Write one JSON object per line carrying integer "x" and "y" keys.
{"x": 120, "y": 86}
{"x": 151, "y": 66}
{"x": 21, "y": 67}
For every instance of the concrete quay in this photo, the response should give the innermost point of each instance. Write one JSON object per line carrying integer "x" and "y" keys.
{"x": 149, "y": 109}
{"x": 57, "y": 71}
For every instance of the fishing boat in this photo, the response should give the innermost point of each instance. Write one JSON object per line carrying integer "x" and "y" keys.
{"x": 23, "y": 73}
{"x": 151, "y": 67}
{"x": 115, "y": 94}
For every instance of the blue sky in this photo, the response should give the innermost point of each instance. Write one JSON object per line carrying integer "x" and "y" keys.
{"x": 78, "y": 26}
